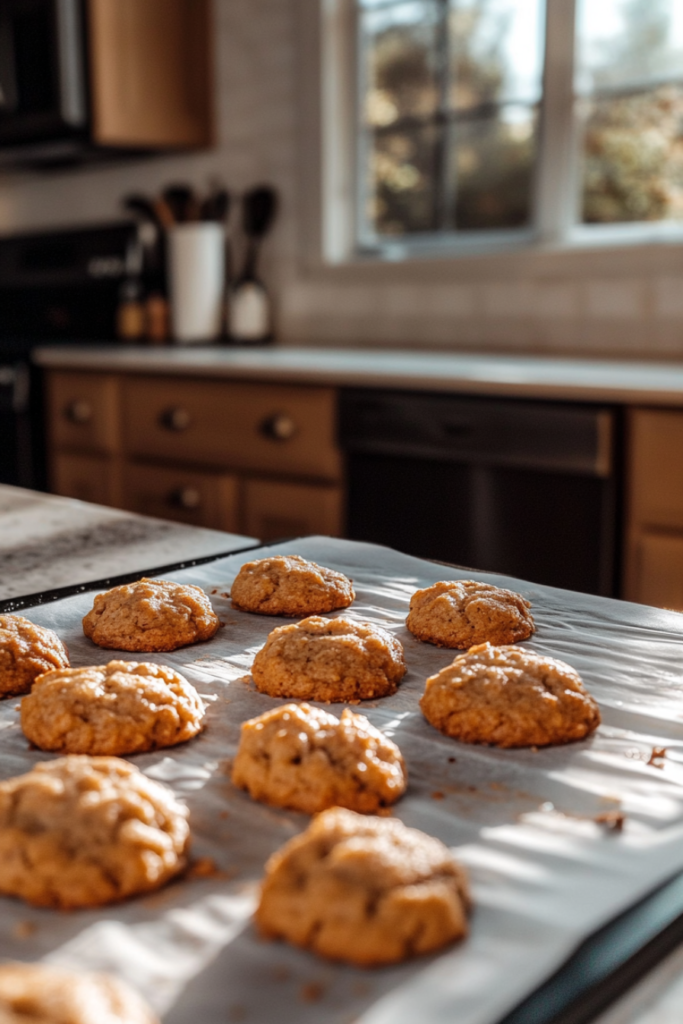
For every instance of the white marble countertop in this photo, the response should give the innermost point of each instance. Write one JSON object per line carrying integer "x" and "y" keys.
{"x": 522, "y": 376}
{"x": 48, "y": 542}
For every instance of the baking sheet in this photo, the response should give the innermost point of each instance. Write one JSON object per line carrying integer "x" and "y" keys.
{"x": 544, "y": 873}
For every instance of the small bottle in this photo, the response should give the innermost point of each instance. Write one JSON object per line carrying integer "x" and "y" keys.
{"x": 249, "y": 313}
{"x": 157, "y": 318}
{"x": 130, "y": 313}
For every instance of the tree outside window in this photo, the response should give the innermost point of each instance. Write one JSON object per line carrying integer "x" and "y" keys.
{"x": 452, "y": 115}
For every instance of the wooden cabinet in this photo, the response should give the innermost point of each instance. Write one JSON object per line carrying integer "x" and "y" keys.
{"x": 269, "y": 427}
{"x": 150, "y": 73}
{"x": 201, "y": 499}
{"x": 87, "y": 478}
{"x": 654, "y": 496}
{"x": 83, "y": 413}
{"x": 259, "y": 459}
{"x": 274, "y": 509}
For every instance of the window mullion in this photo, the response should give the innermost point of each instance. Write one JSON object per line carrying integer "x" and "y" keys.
{"x": 443, "y": 190}
{"x": 556, "y": 192}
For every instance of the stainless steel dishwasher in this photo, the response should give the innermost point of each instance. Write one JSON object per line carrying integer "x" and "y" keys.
{"x": 523, "y": 488}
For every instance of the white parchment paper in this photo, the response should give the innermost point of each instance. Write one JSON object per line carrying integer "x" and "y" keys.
{"x": 544, "y": 873}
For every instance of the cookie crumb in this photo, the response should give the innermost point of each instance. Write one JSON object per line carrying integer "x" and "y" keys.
{"x": 24, "y": 929}
{"x": 452, "y": 760}
{"x": 204, "y": 867}
{"x": 312, "y": 992}
{"x": 438, "y": 795}
{"x": 612, "y": 820}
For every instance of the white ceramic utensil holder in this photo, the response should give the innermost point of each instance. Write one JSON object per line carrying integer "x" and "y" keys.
{"x": 196, "y": 264}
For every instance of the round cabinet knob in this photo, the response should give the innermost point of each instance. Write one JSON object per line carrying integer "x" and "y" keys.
{"x": 278, "y": 427}
{"x": 79, "y": 411}
{"x": 175, "y": 419}
{"x": 186, "y": 497}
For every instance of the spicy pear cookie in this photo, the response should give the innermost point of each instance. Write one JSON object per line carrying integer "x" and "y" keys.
{"x": 509, "y": 697}
{"x": 26, "y": 651}
{"x": 40, "y": 994}
{"x": 301, "y": 757}
{"x": 460, "y": 613}
{"x": 329, "y": 660}
{"x": 365, "y": 890}
{"x": 87, "y": 831}
{"x": 151, "y": 615}
{"x": 290, "y": 585}
{"x": 121, "y": 708}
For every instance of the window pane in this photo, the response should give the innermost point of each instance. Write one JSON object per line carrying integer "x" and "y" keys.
{"x": 497, "y": 49}
{"x": 628, "y": 42}
{"x": 633, "y": 157}
{"x": 399, "y": 58}
{"x": 493, "y": 161}
{"x": 401, "y": 186}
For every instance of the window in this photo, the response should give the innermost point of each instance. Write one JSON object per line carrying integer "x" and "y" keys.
{"x": 486, "y": 122}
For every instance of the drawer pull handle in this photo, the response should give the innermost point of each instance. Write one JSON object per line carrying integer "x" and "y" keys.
{"x": 79, "y": 411}
{"x": 175, "y": 419}
{"x": 185, "y": 497}
{"x": 279, "y": 427}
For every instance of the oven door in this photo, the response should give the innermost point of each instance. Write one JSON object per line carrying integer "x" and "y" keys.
{"x": 42, "y": 70}
{"x": 18, "y": 464}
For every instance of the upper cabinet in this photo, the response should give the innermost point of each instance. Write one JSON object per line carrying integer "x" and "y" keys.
{"x": 87, "y": 77}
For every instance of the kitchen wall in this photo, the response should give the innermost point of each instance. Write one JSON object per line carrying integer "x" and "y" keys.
{"x": 628, "y": 303}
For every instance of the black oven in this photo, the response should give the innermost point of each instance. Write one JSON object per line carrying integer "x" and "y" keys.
{"x": 56, "y": 286}
{"x": 523, "y": 488}
{"x": 43, "y": 89}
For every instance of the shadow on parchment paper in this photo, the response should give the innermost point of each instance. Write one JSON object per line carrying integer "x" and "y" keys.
{"x": 260, "y": 982}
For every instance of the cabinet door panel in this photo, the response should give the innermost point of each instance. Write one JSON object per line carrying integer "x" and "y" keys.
{"x": 87, "y": 478}
{"x": 151, "y": 72}
{"x": 273, "y": 509}
{"x": 185, "y": 496}
{"x": 656, "y": 468}
{"x": 83, "y": 412}
{"x": 268, "y": 427}
{"x": 659, "y": 561}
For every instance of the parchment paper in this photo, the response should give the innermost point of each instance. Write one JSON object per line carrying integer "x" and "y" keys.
{"x": 544, "y": 873}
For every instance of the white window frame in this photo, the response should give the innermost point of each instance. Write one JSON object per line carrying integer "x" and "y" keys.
{"x": 327, "y": 100}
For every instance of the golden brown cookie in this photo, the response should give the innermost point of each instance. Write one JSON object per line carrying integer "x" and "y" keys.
{"x": 368, "y": 891}
{"x": 303, "y": 758}
{"x": 460, "y": 613}
{"x": 121, "y": 708}
{"x": 290, "y": 585}
{"x": 86, "y": 831}
{"x": 509, "y": 697}
{"x": 41, "y": 994}
{"x": 151, "y": 615}
{"x": 329, "y": 660}
{"x": 26, "y": 651}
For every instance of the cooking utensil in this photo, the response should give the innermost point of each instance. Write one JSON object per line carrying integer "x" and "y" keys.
{"x": 182, "y": 201}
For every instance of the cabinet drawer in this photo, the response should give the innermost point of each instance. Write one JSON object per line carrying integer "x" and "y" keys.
{"x": 201, "y": 499}
{"x": 659, "y": 570}
{"x": 83, "y": 412}
{"x": 656, "y": 468}
{"x": 86, "y": 477}
{"x": 273, "y": 509}
{"x": 243, "y": 426}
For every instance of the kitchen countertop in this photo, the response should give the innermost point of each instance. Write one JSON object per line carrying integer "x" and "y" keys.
{"x": 48, "y": 542}
{"x": 470, "y": 373}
